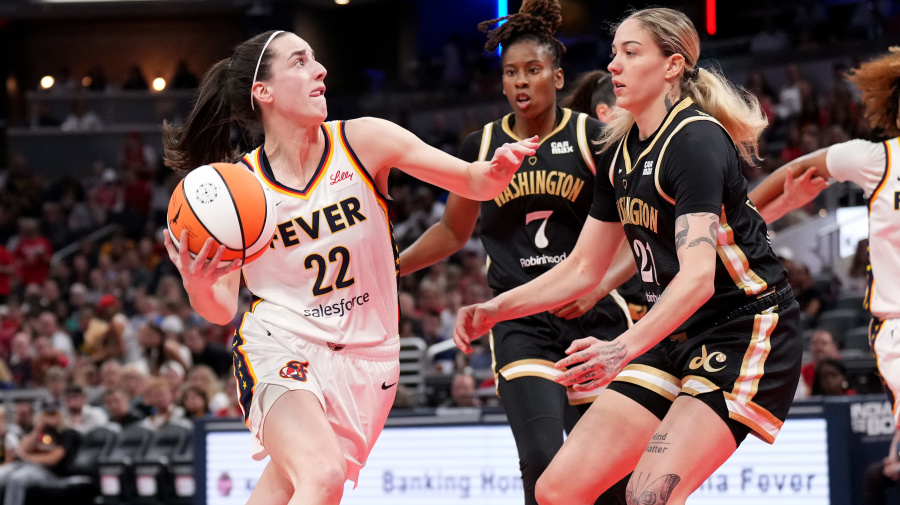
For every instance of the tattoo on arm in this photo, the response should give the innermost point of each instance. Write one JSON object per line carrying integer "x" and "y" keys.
{"x": 642, "y": 491}
{"x": 682, "y": 227}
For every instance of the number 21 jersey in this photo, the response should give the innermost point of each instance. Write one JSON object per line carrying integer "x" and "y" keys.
{"x": 330, "y": 273}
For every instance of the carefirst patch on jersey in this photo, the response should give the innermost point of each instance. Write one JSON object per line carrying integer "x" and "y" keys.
{"x": 542, "y": 260}
{"x": 337, "y": 309}
{"x": 297, "y": 370}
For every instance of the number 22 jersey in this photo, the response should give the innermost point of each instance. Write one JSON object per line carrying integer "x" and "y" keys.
{"x": 331, "y": 271}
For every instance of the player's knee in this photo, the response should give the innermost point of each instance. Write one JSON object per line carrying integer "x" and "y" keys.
{"x": 549, "y": 492}
{"x": 325, "y": 480}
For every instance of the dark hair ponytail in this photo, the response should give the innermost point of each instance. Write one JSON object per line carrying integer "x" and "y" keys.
{"x": 591, "y": 89}
{"x": 223, "y": 102}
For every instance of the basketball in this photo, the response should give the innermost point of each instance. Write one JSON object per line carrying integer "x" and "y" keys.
{"x": 227, "y": 203}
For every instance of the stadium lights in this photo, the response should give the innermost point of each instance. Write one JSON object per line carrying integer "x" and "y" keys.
{"x": 159, "y": 84}
{"x": 47, "y": 81}
{"x": 711, "y": 17}
{"x": 342, "y": 2}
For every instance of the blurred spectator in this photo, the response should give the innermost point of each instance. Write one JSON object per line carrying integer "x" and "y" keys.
{"x": 20, "y": 359}
{"x": 857, "y": 279}
{"x": 55, "y": 381}
{"x": 211, "y": 354}
{"x": 156, "y": 349}
{"x": 462, "y": 392}
{"x": 8, "y": 440}
{"x": 790, "y": 98}
{"x": 43, "y": 454}
{"x": 806, "y": 294}
{"x": 135, "y": 382}
{"x": 234, "y": 400}
{"x": 183, "y": 78}
{"x": 831, "y": 379}
{"x": 770, "y": 39}
{"x": 45, "y": 359}
{"x": 81, "y": 118}
{"x": 7, "y": 270}
{"x": 24, "y": 417}
{"x": 87, "y": 377}
{"x": 822, "y": 346}
{"x": 80, "y": 416}
{"x": 115, "y": 400}
{"x": 203, "y": 377}
{"x": 32, "y": 253}
{"x": 161, "y": 399}
{"x": 138, "y": 156}
{"x": 110, "y": 378}
{"x": 195, "y": 404}
{"x": 48, "y": 326}
{"x": 122, "y": 339}
{"x": 883, "y": 475}
{"x": 135, "y": 79}
{"x": 174, "y": 373}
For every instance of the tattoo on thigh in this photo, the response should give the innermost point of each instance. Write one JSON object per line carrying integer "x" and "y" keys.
{"x": 658, "y": 444}
{"x": 645, "y": 490}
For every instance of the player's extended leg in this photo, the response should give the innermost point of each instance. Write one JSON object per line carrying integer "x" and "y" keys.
{"x": 534, "y": 408}
{"x": 615, "y": 495}
{"x": 306, "y": 452}
{"x": 691, "y": 442}
{"x": 271, "y": 488}
{"x": 604, "y": 447}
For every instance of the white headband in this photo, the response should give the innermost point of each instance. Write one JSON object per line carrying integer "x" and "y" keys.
{"x": 252, "y": 106}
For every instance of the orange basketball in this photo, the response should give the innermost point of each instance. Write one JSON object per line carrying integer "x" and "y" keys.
{"x": 228, "y": 203}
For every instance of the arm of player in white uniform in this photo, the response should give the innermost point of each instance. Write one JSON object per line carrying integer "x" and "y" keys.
{"x": 382, "y": 145}
{"x": 696, "y": 236}
{"x": 211, "y": 288}
{"x": 793, "y": 185}
{"x": 444, "y": 237}
{"x": 573, "y": 277}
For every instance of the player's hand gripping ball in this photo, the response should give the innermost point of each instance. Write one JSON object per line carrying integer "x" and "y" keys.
{"x": 228, "y": 203}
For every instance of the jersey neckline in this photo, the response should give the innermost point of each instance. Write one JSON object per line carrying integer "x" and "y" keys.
{"x": 509, "y": 121}
{"x": 269, "y": 175}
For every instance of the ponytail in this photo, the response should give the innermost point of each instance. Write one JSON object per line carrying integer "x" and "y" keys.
{"x": 223, "y": 104}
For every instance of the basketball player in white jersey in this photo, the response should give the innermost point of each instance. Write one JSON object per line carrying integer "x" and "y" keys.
{"x": 875, "y": 167}
{"x": 316, "y": 357}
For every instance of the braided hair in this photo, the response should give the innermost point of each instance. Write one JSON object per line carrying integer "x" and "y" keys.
{"x": 879, "y": 82}
{"x": 536, "y": 21}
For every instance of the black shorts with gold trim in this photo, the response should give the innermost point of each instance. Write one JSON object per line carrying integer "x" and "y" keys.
{"x": 745, "y": 367}
{"x": 530, "y": 346}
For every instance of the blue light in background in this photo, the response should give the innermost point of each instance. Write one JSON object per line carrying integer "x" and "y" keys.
{"x": 502, "y": 10}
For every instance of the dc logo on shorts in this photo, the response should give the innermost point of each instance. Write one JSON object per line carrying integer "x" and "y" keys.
{"x": 296, "y": 370}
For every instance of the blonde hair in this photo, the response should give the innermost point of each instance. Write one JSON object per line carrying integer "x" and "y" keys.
{"x": 877, "y": 80}
{"x": 734, "y": 107}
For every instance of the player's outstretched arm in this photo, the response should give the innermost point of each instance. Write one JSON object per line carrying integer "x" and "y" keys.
{"x": 212, "y": 288}
{"x": 793, "y": 185}
{"x": 444, "y": 237}
{"x": 573, "y": 277}
{"x": 382, "y": 145}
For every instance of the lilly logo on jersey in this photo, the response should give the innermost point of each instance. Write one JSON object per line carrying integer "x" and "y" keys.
{"x": 341, "y": 176}
{"x": 705, "y": 360}
{"x": 297, "y": 370}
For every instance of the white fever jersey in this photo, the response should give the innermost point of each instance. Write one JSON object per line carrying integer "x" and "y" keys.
{"x": 331, "y": 271}
{"x": 875, "y": 167}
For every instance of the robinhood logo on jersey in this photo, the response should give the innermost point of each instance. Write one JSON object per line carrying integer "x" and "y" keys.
{"x": 338, "y": 308}
{"x": 542, "y": 260}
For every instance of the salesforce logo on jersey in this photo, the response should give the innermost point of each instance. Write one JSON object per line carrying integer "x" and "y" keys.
{"x": 542, "y": 260}
{"x": 337, "y": 309}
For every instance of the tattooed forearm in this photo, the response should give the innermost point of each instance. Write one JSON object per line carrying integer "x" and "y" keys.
{"x": 698, "y": 241}
{"x": 644, "y": 491}
{"x": 682, "y": 228}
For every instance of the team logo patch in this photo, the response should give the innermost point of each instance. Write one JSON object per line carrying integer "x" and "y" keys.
{"x": 297, "y": 370}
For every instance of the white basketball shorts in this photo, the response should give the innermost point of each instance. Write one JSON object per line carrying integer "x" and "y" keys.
{"x": 355, "y": 385}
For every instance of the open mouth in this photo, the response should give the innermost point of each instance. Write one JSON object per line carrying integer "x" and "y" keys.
{"x": 318, "y": 92}
{"x": 523, "y": 100}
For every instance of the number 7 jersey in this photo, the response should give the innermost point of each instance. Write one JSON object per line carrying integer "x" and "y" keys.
{"x": 331, "y": 271}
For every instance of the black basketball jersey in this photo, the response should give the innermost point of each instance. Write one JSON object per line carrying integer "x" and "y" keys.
{"x": 689, "y": 165}
{"x": 535, "y": 222}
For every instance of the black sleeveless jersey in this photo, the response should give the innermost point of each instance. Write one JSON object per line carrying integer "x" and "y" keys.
{"x": 535, "y": 222}
{"x": 689, "y": 165}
